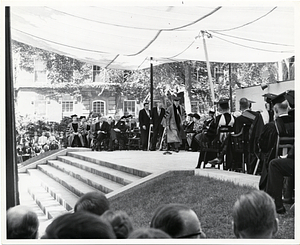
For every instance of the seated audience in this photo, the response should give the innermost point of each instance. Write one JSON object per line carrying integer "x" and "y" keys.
{"x": 93, "y": 202}
{"x": 178, "y": 221}
{"x": 148, "y": 233}
{"x": 254, "y": 216}
{"x": 79, "y": 225}
{"x": 22, "y": 223}
{"x": 120, "y": 222}
{"x": 278, "y": 168}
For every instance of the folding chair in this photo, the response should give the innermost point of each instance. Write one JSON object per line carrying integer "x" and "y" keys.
{"x": 240, "y": 146}
{"x": 214, "y": 147}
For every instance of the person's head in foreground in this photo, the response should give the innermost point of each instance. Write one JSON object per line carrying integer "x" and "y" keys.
{"x": 254, "y": 216}
{"x": 120, "y": 222}
{"x": 94, "y": 202}
{"x": 79, "y": 225}
{"x": 148, "y": 233}
{"x": 22, "y": 223}
{"x": 177, "y": 220}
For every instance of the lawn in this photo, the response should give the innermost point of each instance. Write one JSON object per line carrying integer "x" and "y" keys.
{"x": 211, "y": 199}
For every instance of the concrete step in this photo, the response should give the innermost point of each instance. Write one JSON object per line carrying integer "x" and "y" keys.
{"x": 25, "y": 181}
{"x": 67, "y": 175}
{"x": 63, "y": 195}
{"x": 72, "y": 184}
{"x": 46, "y": 202}
{"x": 126, "y": 169}
{"x": 108, "y": 173}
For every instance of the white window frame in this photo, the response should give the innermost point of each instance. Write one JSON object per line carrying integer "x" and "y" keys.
{"x": 104, "y": 107}
{"x": 134, "y": 101}
{"x": 67, "y": 101}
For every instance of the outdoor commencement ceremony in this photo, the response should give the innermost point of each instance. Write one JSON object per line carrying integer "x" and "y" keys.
{"x": 149, "y": 120}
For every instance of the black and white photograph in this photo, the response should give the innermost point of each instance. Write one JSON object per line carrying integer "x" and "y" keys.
{"x": 149, "y": 120}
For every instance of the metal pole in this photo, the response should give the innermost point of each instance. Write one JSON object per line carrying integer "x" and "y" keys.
{"x": 208, "y": 69}
{"x": 151, "y": 83}
{"x": 12, "y": 193}
{"x": 230, "y": 89}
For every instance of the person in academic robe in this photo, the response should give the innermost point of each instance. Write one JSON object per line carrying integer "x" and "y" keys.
{"x": 225, "y": 118}
{"x": 85, "y": 128}
{"x": 144, "y": 123}
{"x": 74, "y": 133}
{"x": 188, "y": 127}
{"x": 254, "y": 125}
{"x": 175, "y": 116}
{"x": 284, "y": 124}
{"x": 158, "y": 114}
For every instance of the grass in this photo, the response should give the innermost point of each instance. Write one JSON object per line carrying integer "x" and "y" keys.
{"x": 211, "y": 199}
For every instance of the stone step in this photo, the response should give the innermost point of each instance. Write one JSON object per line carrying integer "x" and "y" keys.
{"x": 126, "y": 169}
{"x": 46, "y": 202}
{"x": 67, "y": 174}
{"x": 72, "y": 184}
{"x": 25, "y": 181}
{"x": 63, "y": 195}
{"x": 109, "y": 173}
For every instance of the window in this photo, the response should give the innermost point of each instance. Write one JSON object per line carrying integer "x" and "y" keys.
{"x": 129, "y": 107}
{"x": 67, "y": 106}
{"x": 96, "y": 73}
{"x": 99, "y": 107}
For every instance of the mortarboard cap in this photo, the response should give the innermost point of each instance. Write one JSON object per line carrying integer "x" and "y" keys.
{"x": 82, "y": 117}
{"x": 74, "y": 116}
{"x": 223, "y": 101}
{"x": 268, "y": 97}
{"x": 211, "y": 111}
{"x": 279, "y": 98}
{"x": 191, "y": 114}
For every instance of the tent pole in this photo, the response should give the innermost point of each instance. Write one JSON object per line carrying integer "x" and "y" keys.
{"x": 12, "y": 193}
{"x": 230, "y": 88}
{"x": 151, "y": 83}
{"x": 208, "y": 70}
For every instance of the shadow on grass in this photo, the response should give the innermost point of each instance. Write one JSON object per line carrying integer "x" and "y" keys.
{"x": 211, "y": 199}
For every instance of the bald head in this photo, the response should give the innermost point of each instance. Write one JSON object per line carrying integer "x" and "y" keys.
{"x": 22, "y": 223}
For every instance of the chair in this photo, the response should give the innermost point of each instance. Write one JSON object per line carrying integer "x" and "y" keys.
{"x": 134, "y": 140}
{"x": 214, "y": 147}
{"x": 240, "y": 145}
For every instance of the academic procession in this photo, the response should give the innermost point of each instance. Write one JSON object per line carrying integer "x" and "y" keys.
{"x": 151, "y": 110}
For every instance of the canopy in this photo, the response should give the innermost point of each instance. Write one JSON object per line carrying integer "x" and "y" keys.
{"x": 125, "y": 37}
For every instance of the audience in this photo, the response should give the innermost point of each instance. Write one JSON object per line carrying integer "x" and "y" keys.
{"x": 79, "y": 225}
{"x": 178, "y": 221}
{"x": 120, "y": 222}
{"x": 93, "y": 202}
{"x": 148, "y": 233}
{"x": 22, "y": 223}
{"x": 254, "y": 216}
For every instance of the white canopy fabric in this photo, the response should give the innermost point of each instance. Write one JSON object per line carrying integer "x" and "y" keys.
{"x": 125, "y": 37}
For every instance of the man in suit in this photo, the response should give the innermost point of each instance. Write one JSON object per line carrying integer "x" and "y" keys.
{"x": 144, "y": 121}
{"x": 158, "y": 114}
{"x": 175, "y": 116}
{"x": 101, "y": 134}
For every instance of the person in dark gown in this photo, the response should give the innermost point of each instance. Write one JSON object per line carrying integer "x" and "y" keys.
{"x": 74, "y": 133}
